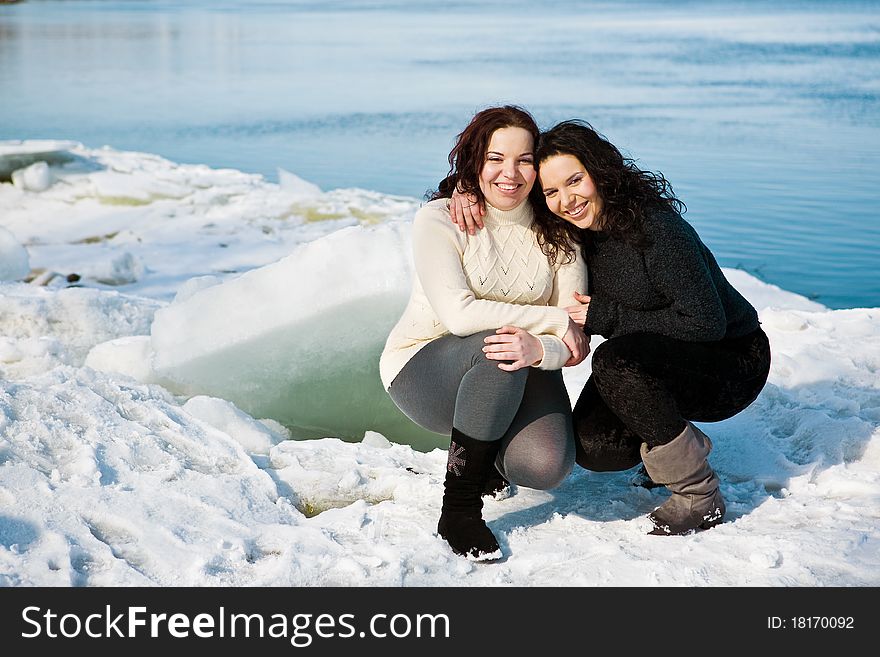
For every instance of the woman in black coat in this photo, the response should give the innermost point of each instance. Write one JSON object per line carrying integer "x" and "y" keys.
{"x": 682, "y": 344}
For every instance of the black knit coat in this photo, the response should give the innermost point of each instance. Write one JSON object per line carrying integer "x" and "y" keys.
{"x": 672, "y": 287}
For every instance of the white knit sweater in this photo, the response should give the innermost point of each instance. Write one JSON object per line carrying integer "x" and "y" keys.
{"x": 470, "y": 283}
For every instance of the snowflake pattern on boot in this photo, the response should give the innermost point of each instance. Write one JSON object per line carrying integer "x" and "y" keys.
{"x": 456, "y": 460}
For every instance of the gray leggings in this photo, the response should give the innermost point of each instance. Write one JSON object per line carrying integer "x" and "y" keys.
{"x": 450, "y": 382}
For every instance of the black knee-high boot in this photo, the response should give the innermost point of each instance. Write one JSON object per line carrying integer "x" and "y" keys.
{"x": 469, "y": 466}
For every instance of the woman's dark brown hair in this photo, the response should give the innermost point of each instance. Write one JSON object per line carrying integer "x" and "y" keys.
{"x": 469, "y": 153}
{"x": 629, "y": 195}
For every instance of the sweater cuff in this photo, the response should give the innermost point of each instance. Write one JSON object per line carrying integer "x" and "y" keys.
{"x": 556, "y": 354}
{"x": 558, "y": 322}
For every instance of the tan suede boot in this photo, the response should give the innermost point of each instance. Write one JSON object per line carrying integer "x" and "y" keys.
{"x": 681, "y": 465}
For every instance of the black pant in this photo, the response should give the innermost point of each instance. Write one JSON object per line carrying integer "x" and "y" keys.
{"x": 644, "y": 387}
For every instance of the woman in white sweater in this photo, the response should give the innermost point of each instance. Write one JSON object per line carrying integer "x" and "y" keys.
{"x": 478, "y": 350}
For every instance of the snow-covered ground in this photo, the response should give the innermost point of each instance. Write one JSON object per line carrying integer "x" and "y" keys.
{"x": 165, "y": 300}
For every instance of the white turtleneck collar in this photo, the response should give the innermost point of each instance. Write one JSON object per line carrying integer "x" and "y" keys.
{"x": 521, "y": 215}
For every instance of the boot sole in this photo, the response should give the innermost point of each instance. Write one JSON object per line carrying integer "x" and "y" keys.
{"x": 663, "y": 530}
{"x": 469, "y": 552}
{"x": 484, "y": 556}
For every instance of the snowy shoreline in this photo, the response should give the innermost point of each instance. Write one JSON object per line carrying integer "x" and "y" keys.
{"x": 121, "y": 467}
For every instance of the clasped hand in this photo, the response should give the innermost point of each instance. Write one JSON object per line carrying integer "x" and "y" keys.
{"x": 578, "y": 313}
{"x": 511, "y": 343}
{"x": 577, "y": 342}
{"x": 522, "y": 349}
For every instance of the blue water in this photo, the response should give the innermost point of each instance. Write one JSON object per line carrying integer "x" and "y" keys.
{"x": 765, "y": 116}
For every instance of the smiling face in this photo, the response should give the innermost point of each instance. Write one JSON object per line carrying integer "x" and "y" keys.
{"x": 570, "y": 192}
{"x": 508, "y": 171}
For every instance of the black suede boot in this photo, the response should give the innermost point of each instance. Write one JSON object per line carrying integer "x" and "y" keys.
{"x": 468, "y": 468}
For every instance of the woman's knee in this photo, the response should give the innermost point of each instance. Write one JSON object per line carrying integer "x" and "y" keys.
{"x": 619, "y": 364}
{"x": 615, "y": 354}
{"x": 485, "y": 381}
{"x": 541, "y": 473}
{"x": 473, "y": 344}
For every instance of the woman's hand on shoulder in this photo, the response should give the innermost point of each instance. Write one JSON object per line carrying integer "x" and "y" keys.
{"x": 466, "y": 212}
{"x": 578, "y": 343}
{"x": 513, "y": 344}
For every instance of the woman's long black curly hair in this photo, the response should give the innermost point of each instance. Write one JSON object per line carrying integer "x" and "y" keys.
{"x": 629, "y": 195}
